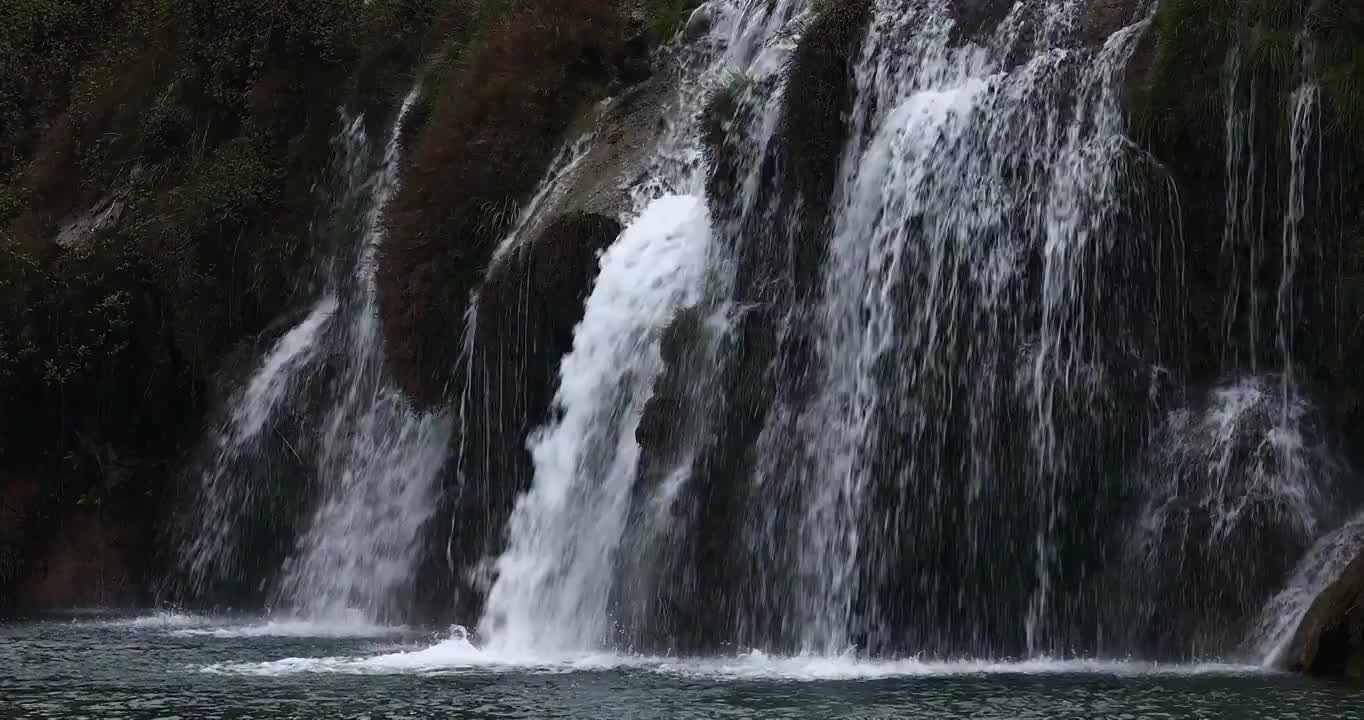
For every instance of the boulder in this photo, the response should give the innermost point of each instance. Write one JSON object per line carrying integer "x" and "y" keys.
{"x": 976, "y": 18}
{"x": 1330, "y": 641}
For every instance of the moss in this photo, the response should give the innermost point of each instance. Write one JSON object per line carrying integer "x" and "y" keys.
{"x": 666, "y": 17}
{"x": 1183, "y": 87}
{"x": 491, "y": 134}
{"x": 1336, "y": 27}
{"x": 726, "y": 108}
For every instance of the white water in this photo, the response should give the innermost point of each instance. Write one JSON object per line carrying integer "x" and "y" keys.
{"x": 212, "y": 552}
{"x": 961, "y": 168}
{"x": 1240, "y": 455}
{"x": 457, "y": 656}
{"x": 358, "y": 627}
{"x": 376, "y": 458}
{"x": 182, "y": 624}
{"x": 1317, "y": 571}
{"x": 553, "y": 582}
{"x": 558, "y": 179}
{"x": 554, "y": 579}
{"x": 373, "y": 458}
{"x": 1302, "y": 133}
{"x": 1243, "y": 213}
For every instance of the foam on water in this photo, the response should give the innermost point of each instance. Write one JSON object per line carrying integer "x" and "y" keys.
{"x": 161, "y": 619}
{"x": 457, "y": 655}
{"x": 294, "y": 628}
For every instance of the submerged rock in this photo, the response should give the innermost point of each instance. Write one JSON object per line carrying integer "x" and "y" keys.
{"x": 1330, "y": 640}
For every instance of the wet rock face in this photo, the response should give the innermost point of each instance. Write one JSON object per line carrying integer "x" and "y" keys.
{"x": 1105, "y": 17}
{"x": 478, "y": 158}
{"x": 527, "y": 309}
{"x": 60, "y": 551}
{"x": 979, "y": 17}
{"x": 1330, "y": 641}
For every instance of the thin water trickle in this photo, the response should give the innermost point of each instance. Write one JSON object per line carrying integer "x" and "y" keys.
{"x": 1318, "y": 569}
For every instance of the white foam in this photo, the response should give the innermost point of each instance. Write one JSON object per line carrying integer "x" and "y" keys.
{"x": 341, "y": 627}
{"x": 162, "y": 619}
{"x": 554, "y": 578}
{"x": 456, "y": 656}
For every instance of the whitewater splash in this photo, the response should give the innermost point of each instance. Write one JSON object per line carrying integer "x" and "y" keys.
{"x": 554, "y": 579}
{"x": 457, "y": 656}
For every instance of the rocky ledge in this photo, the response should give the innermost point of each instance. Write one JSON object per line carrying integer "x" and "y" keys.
{"x": 1330, "y": 641}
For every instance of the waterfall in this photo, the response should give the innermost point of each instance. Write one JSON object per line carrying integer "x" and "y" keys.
{"x": 1318, "y": 569}
{"x": 1237, "y": 489}
{"x": 933, "y": 332}
{"x": 213, "y": 551}
{"x": 888, "y": 358}
{"x": 554, "y": 579}
{"x": 374, "y": 458}
{"x": 1303, "y": 112}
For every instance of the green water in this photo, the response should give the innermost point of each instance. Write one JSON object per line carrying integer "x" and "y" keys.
{"x": 174, "y": 666}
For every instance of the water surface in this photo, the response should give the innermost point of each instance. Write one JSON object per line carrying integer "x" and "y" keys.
{"x": 99, "y": 665}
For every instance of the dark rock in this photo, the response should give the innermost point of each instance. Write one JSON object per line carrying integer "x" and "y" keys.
{"x": 528, "y": 306}
{"x": 698, "y": 24}
{"x": 975, "y": 18}
{"x": 1330, "y": 641}
{"x": 1105, "y": 17}
{"x": 482, "y": 152}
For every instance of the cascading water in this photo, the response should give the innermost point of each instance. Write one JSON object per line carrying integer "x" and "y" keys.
{"x": 972, "y": 220}
{"x": 374, "y": 458}
{"x": 885, "y": 391}
{"x": 213, "y": 552}
{"x": 377, "y": 458}
{"x": 554, "y": 579}
{"x": 1237, "y": 490}
{"x": 1317, "y": 570}
{"x": 975, "y": 202}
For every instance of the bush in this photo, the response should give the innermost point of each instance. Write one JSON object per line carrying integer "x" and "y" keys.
{"x": 491, "y": 134}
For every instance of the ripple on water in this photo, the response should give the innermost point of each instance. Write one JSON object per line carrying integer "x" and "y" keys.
{"x": 56, "y": 670}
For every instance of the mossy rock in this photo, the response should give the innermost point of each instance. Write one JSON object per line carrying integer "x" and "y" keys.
{"x": 529, "y": 305}
{"x": 488, "y": 141}
{"x": 1330, "y": 641}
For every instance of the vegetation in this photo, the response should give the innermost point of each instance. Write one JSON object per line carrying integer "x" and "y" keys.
{"x": 1177, "y": 96}
{"x": 666, "y": 17}
{"x": 501, "y": 111}
{"x": 198, "y": 130}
